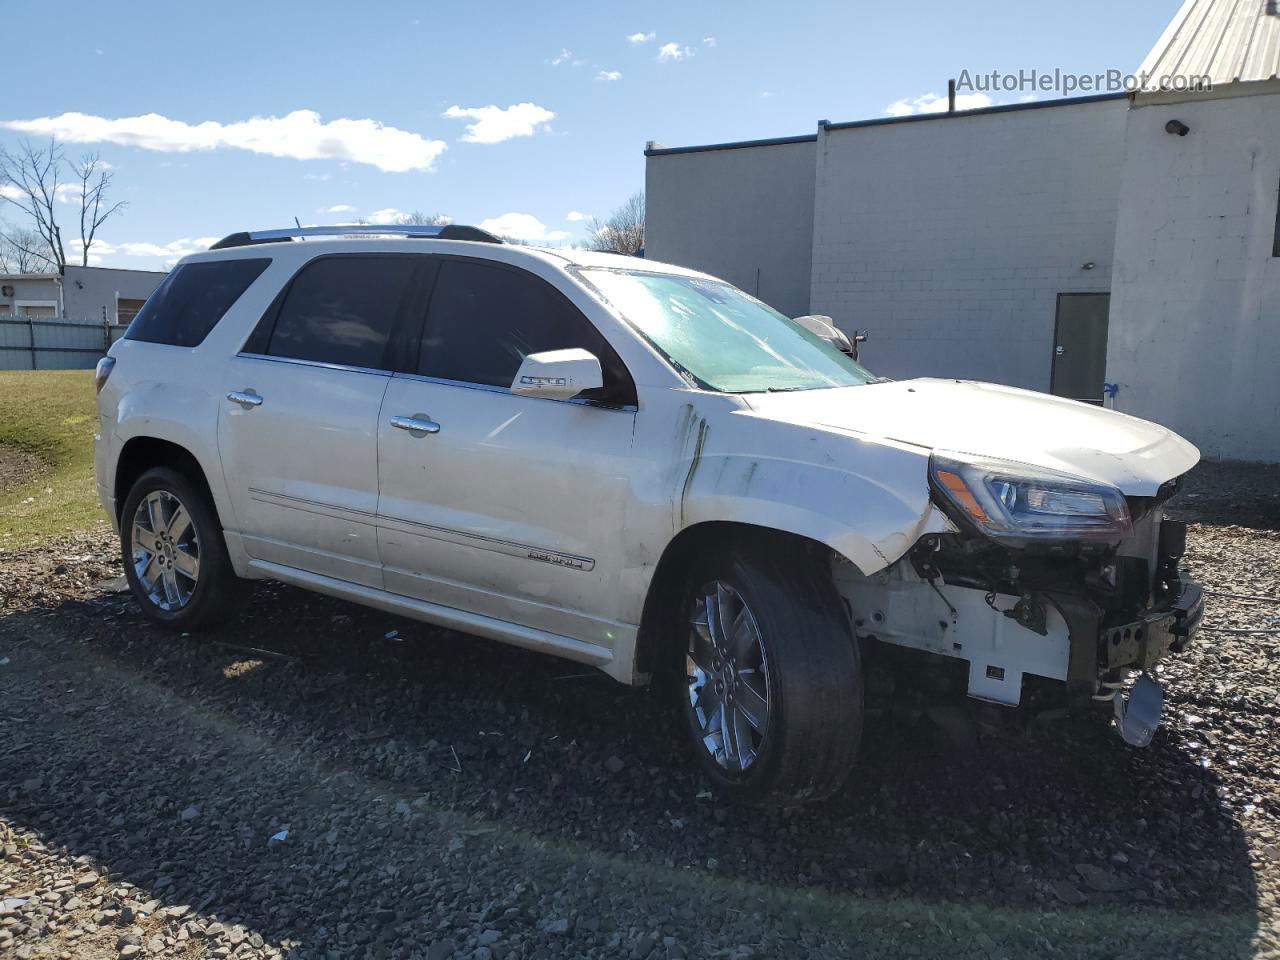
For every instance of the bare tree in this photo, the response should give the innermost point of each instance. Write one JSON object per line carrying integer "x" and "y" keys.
{"x": 22, "y": 250}
{"x": 31, "y": 180}
{"x": 416, "y": 217}
{"x": 425, "y": 219}
{"x": 623, "y": 232}
{"x": 95, "y": 205}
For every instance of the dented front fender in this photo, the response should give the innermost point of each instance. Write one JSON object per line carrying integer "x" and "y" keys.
{"x": 866, "y": 499}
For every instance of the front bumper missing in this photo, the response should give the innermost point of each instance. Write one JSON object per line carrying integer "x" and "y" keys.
{"x": 1103, "y": 656}
{"x": 1157, "y": 632}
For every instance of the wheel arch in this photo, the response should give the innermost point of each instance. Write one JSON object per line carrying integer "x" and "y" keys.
{"x": 141, "y": 453}
{"x": 674, "y": 564}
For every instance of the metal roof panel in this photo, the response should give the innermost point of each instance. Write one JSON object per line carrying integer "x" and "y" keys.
{"x": 1226, "y": 41}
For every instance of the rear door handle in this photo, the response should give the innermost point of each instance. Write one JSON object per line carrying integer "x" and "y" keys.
{"x": 246, "y": 398}
{"x": 418, "y": 423}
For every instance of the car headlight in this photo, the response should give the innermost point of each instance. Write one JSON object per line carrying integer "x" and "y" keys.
{"x": 1011, "y": 502}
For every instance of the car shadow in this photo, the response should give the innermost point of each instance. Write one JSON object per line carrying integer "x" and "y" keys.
{"x": 1041, "y": 813}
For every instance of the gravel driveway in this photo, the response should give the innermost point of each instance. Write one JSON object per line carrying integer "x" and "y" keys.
{"x": 364, "y": 786}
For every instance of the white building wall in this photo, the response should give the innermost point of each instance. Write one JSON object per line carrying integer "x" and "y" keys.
{"x": 1195, "y": 309}
{"x": 949, "y": 238}
{"x": 90, "y": 292}
{"x": 743, "y": 214}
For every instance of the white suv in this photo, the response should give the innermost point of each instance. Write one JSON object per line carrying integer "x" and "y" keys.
{"x": 638, "y": 467}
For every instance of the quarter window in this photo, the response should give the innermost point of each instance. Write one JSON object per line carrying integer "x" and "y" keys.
{"x": 191, "y": 301}
{"x": 342, "y": 310}
{"x": 486, "y": 318}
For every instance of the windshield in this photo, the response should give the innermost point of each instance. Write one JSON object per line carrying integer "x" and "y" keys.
{"x": 725, "y": 339}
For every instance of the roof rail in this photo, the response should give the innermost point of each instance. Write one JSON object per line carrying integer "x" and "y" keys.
{"x": 447, "y": 231}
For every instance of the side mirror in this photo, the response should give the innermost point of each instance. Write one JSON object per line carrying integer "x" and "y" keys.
{"x": 823, "y": 327}
{"x": 558, "y": 374}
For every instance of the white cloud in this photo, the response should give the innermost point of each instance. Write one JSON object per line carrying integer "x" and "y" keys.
{"x": 63, "y": 193}
{"x": 169, "y": 252}
{"x": 575, "y": 216}
{"x": 522, "y": 226}
{"x": 561, "y": 57}
{"x": 709, "y": 41}
{"x": 609, "y": 75}
{"x": 301, "y": 135}
{"x": 68, "y": 193}
{"x": 494, "y": 124}
{"x": 339, "y": 208}
{"x": 932, "y": 103}
{"x": 673, "y": 51}
{"x": 639, "y": 38}
{"x": 387, "y": 215}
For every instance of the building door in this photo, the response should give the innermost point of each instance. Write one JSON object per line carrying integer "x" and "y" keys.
{"x": 1080, "y": 346}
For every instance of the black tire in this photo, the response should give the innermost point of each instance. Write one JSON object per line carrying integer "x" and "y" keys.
{"x": 216, "y": 592}
{"x": 811, "y": 663}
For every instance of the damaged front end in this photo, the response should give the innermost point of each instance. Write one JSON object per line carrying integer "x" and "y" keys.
{"x": 1047, "y": 575}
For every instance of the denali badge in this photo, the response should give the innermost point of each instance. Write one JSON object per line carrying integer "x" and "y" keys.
{"x": 562, "y": 559}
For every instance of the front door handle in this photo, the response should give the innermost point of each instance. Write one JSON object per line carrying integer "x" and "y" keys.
{"x": 246, "y": 398}
{"x": 418, "y": 423}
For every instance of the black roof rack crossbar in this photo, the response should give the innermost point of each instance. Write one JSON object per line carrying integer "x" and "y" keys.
{"x": 448, "y": 231}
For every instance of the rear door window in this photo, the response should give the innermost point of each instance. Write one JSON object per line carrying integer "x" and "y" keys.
{"x": 191, "y": 301}
{"x": 343, "y": 310}
{"x": 485, "y": 318}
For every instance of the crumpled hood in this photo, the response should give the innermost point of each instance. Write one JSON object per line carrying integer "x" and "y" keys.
{"x": 985, "y": 419}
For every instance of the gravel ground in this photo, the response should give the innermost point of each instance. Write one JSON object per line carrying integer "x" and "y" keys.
{"x": 17, "y": 466}
{"x": 362, "y": 786}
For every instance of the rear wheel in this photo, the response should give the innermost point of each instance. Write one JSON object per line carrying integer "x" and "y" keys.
{"x": 174, "y": 555}
{"x": 768, "y": 677}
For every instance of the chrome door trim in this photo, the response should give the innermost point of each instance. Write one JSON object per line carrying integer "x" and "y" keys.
{"x": 315, "y": 363}
{"x": 490, "y": 388}
{"x": 268, "y": 497}
{"x": 511, "y": 548}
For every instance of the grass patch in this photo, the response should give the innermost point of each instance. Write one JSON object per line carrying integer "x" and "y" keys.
{"x": 49, "y": 414}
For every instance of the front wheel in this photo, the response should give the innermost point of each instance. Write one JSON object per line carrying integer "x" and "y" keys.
{"x": 174, "y": 556}
{"x": 768, "y": 676}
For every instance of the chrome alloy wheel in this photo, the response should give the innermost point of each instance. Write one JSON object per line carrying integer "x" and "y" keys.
{"x": 728, "y": 674}
{"x": 166, "y": 550}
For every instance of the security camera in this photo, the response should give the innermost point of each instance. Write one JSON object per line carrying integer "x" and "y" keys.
{"x": 1178, "y": 127}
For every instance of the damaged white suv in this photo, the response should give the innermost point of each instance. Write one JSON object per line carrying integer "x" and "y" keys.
{"x": 638, "y": 467}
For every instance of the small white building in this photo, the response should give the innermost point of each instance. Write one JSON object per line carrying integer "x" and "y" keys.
{"x": 60, "y": 321}
{"x": 97, "y": 294}
{"x": 1130, "y": 240}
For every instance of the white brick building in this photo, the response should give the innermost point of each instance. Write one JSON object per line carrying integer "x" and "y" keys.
{"x": 1054, "y": 245}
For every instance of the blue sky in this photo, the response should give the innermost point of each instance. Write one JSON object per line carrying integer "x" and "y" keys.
{"x": 577, "y": 90}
